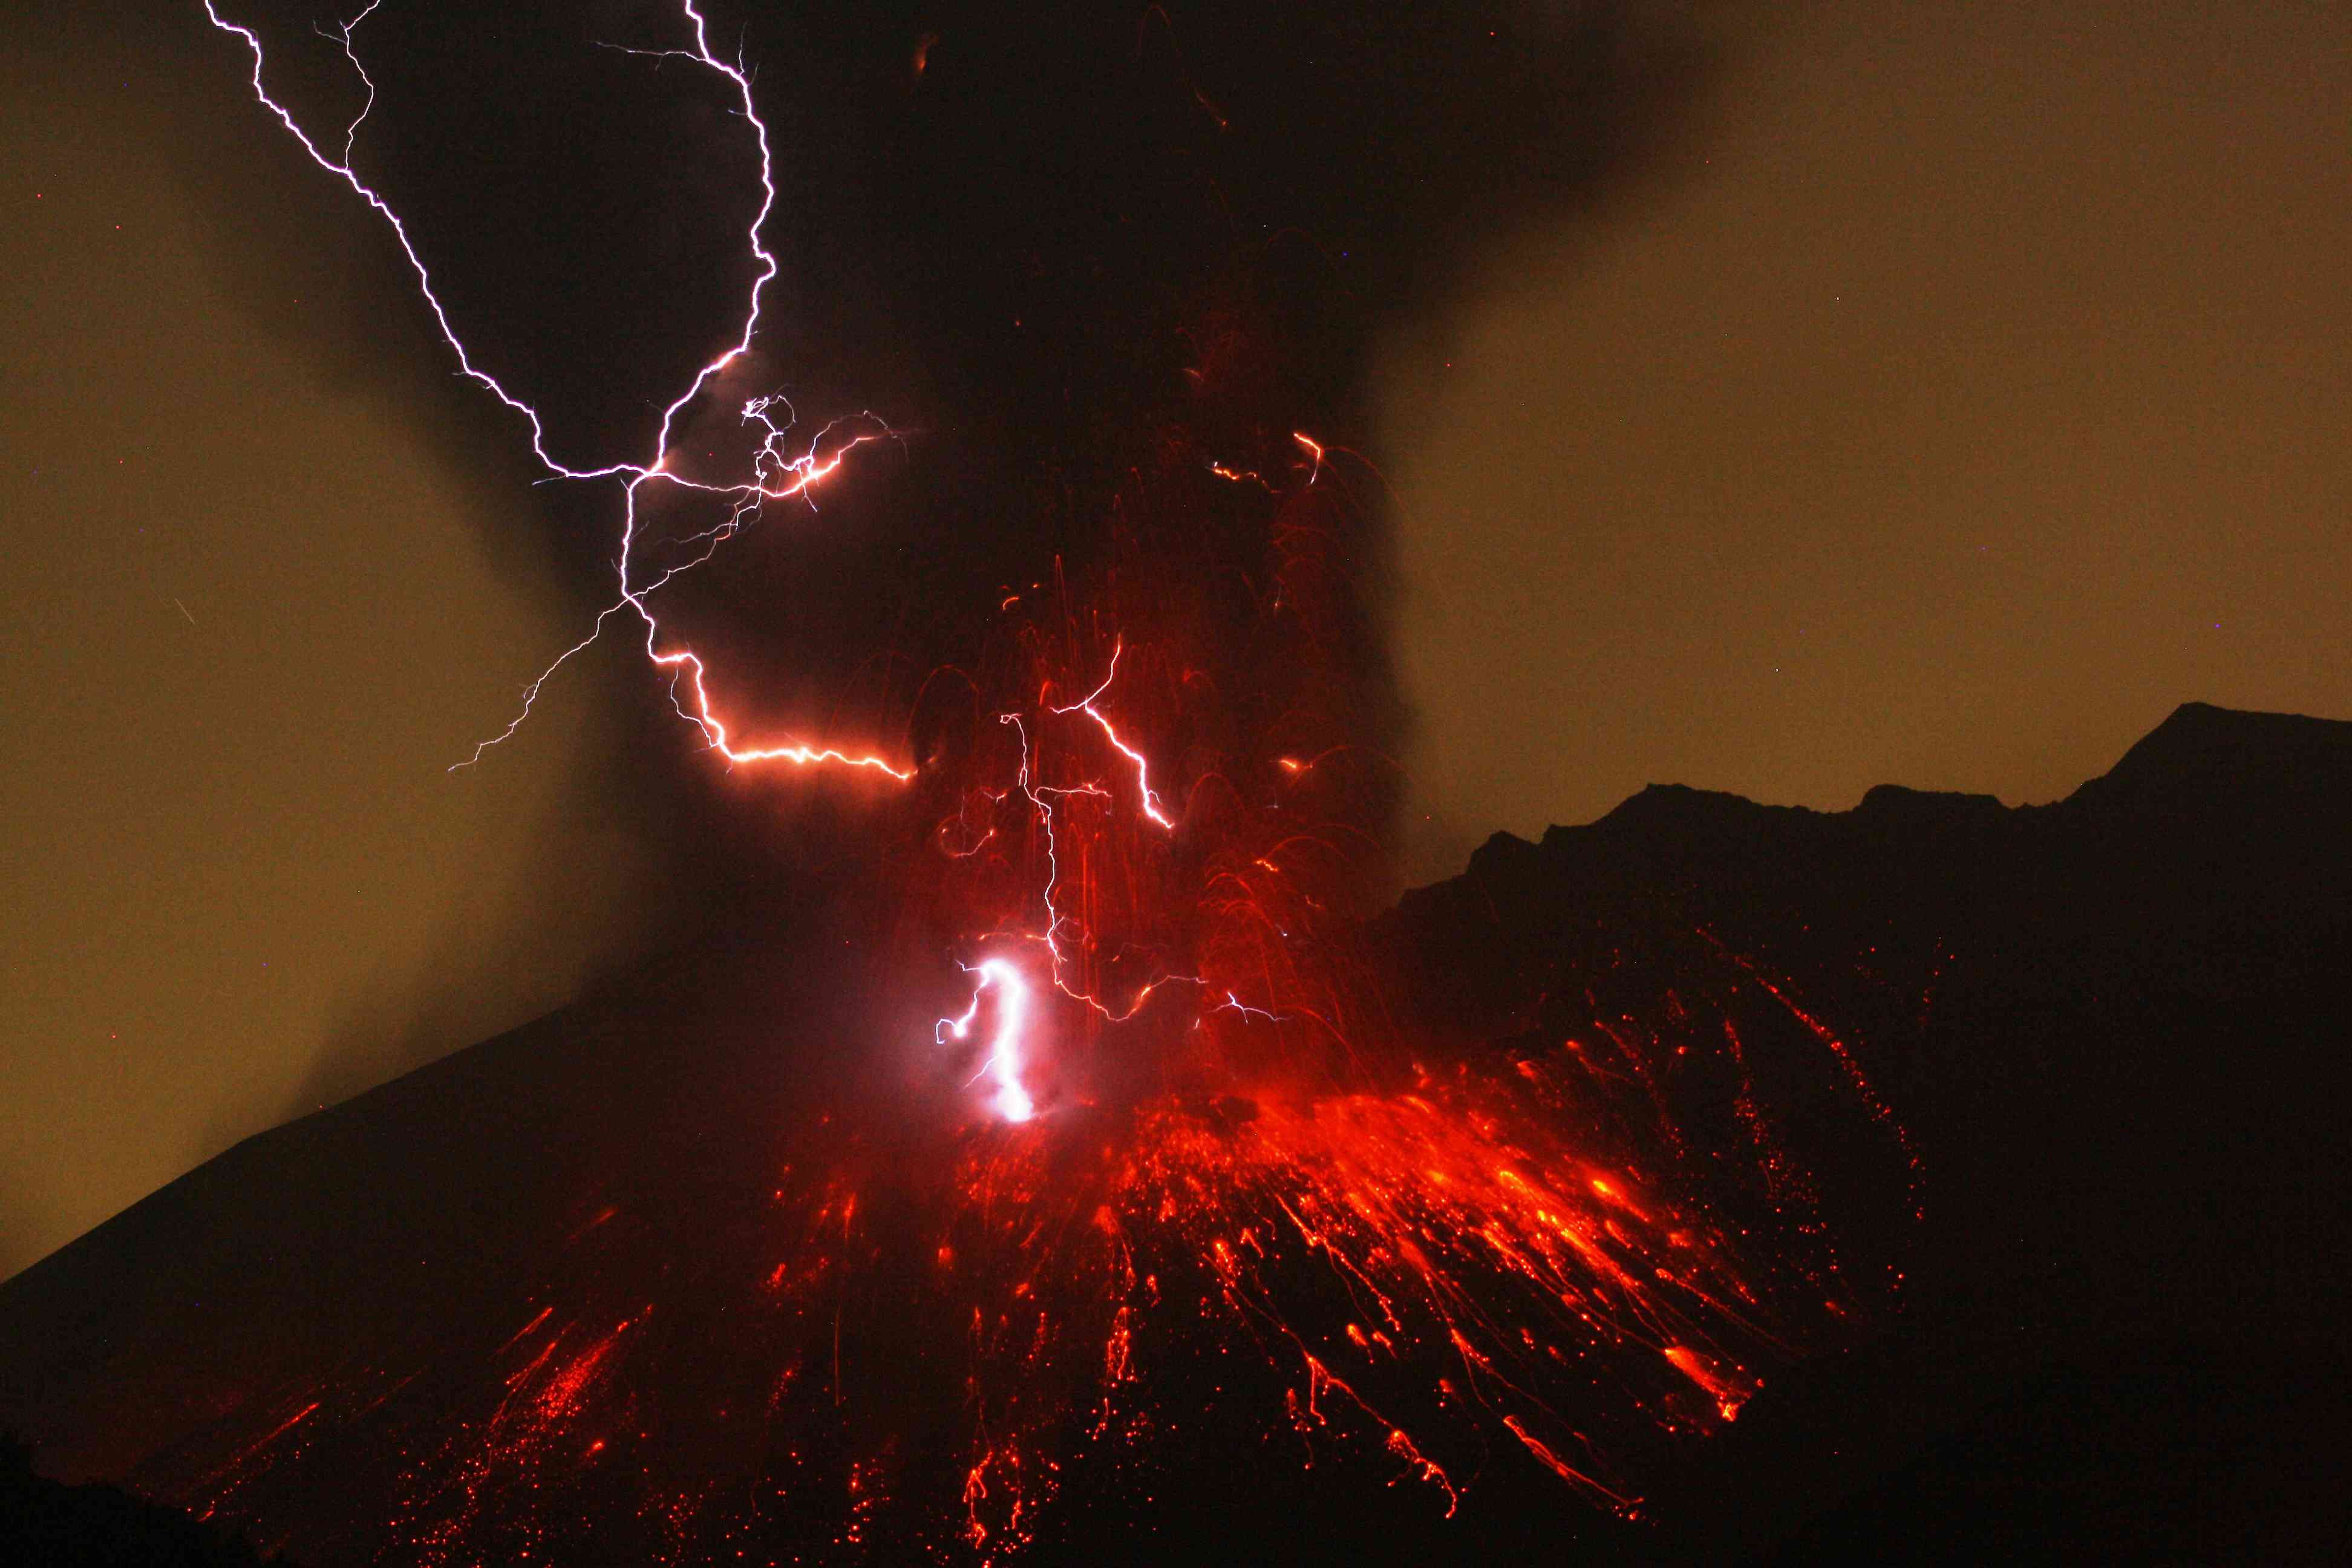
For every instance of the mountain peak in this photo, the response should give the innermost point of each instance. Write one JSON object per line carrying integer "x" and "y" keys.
{"x": 2202, "y": 753}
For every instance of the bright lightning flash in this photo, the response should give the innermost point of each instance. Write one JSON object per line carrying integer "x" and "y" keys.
{"x": 1003, "y": 1062}
{"x": 1086, "y": 705}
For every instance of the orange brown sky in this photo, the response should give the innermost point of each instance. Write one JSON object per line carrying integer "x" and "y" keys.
{"x": 1973, "y": 390}
{"x": 255, "y": 605}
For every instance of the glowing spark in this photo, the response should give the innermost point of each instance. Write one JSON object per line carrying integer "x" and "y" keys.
{"x": 1314, "y": 450}
{"x": 1235, "y": 1004}
{"x": 1728, "y": 1396}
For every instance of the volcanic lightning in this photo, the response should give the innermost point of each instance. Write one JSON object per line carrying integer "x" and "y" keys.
{"x": 1086, "y": 705}
{"x": 1004, "y": 1063}
{"x": 775, "y": 475}
{"x": 1601, "y": 1227}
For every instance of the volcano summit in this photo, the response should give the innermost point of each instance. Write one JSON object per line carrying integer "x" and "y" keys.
{"x": 1932, "y": 1161}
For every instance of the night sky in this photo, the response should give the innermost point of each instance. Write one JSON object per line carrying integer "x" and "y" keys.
{"x": 1968, "y": 391}
{"x": 1821, "y": 396}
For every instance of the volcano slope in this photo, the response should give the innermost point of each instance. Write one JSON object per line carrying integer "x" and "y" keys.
{"x": 653, "y": 1279}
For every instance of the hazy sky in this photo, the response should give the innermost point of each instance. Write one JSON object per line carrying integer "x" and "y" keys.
{"x": 1973, "y": 391}
{"x": 1967, "y": 389}
{"x": 256, "y": 599}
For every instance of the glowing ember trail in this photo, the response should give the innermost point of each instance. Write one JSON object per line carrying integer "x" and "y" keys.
{"x": 1596, "y": 1233}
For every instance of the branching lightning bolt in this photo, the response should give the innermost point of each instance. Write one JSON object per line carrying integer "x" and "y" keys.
{"x": 778, "y": 472}
{"x": 1004, "y": 1060}
{"x": 775, "y": 475}
{"x": 1008, "y": 1050}
{"x": 1086, "y": 705}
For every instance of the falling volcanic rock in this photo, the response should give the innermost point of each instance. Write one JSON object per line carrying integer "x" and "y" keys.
{"x": 697, "y": 1265}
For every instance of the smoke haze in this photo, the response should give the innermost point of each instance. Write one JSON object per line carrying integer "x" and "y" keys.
{"x": 265, "y": 584}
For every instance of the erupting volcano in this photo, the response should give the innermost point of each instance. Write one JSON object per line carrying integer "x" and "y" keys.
{"x": 1174, "y": 1122}
{"x": 1081, "y": 1157}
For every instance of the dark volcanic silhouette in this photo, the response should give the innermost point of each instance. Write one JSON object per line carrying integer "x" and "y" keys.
{"x": 101, "y": 1526}
{"x": 2098, "y": 1140}
{"x": 2114, "y": 1026}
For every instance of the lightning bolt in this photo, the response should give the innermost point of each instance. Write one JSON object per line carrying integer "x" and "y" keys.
{"x": 776, "y": 473}
{"x": 1086, "y": 705}
{"x": 1004, "y": 1060}
{"x": 1009, "y": 1050}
